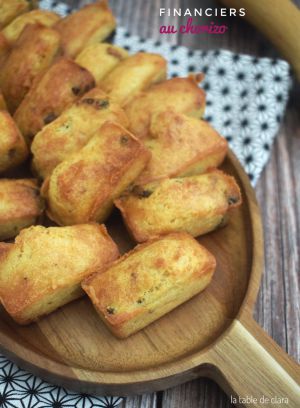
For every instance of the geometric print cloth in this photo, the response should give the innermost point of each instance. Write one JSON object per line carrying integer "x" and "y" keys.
{"x": 246, "y": 99}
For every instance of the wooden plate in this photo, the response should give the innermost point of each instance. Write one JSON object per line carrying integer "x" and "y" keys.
{"x": 213, "y": 334}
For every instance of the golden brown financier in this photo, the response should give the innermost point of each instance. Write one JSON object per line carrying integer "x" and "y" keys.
{"x": 10, "y": 9}
{"x": 101, "y": 58}
{"x": 43, "y": 269}
{"x": 149, "y": 282}
{"x": 73, "y": 129}
{"x": 51, "y": 93}
{"x": 13, "y": 149}
{"x": 14, "y": 29}
{"x": 82, "y": 188}
{"x": 34, "y": 51}
{"x": 89, "y": 25}
{"x": 181, "y": 95}
{"x": 134, "y": 74}
{"x": 21, "y": 206}
{"x": 181, "y": 146}
{"x": 195, "y": 204}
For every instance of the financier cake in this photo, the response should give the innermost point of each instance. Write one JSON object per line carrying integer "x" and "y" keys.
{"x": 73, "y": 129}
{"x": 51, "y": 93}
{"x": 149, "y": 282}
{"x": 21, "y": 205}
{"x": 15, "y": 28}
{"x": 99, "y": 59}
{"x": 34, "y": 51}
{"x": 195, "y": 204}
{"x": 43, "y": 269}
{"x": 89, "y": 25}
{"x": 134, "y": 74}
{"x": 82, "y": 188}
{"x": 181, "y": 146}
{"x": 182, "y": 95}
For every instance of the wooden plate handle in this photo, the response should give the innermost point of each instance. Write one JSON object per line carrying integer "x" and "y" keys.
{"x": 248, "y": 363}
{"x": 279, "y": 20}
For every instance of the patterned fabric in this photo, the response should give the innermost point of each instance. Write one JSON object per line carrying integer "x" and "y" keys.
{"x": 246, "y": 98}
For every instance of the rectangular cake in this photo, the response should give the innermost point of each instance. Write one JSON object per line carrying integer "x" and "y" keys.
{"x": 34, "y": 51}
{"x": 181, "y": 146}
{"x": 82, "y": 188}
{"x": 182, "y": 95}
{"x": 149, "y": 282}
{"x": 99, "y": 59}
{"x": 43, "y": 269}
{"x": 51, "y": 93}
{"x": 89, "y": 25}
{"x": 73, "y": 129}
{"x": 195, "y": 204}
{"x": 134, "y": 74}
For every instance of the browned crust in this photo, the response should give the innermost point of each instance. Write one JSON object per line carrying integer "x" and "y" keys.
{"x": 117, "y": 322}
{"x": 130, "y": 221}
{"x": 52, "y": 92}
{"x": 34, "y": 51}
{"x": 110, "y": 172}
{"x": 19, "y": 293}
{"x": 78, "y": 28}
{"x": 16, "y": 7}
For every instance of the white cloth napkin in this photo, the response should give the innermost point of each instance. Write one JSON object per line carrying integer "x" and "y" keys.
{"x": 246, "y": 99}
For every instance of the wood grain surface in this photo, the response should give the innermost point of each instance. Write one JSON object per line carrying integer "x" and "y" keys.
{"x": 278, "y": 193}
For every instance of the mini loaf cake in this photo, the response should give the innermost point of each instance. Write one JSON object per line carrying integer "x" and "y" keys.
{"x": 13, "y": 149}
{"x": 21, "y": 206}
{"x": 34, "y": 51}
{"x": 51, "y": 93}
{"x": 82, "y": 188}
{"x": 14, "y": 29}
{"x": 196, "y": 204}
{"x": 100, "y": 59}
{"x": 181, "y": 146}
{"x": 181, "y": 95}
{"x": 89, "y": 25}
{"x": 149, "y": 282}
{"x": 43, "y": 269}
{"x": 11, "y": 9}
{"x": 73, "y": 129}
{"x": 134, "y": 74}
